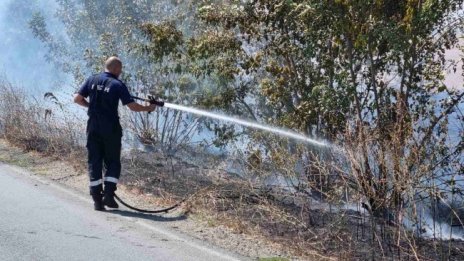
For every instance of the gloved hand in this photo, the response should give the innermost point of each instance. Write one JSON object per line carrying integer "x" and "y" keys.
{"x": 151, "y": 107}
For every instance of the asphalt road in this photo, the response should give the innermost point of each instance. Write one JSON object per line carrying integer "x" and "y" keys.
{"x": 41, "y": 220}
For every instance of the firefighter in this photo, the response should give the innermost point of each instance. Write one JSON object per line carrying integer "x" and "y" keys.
{"x": 104, "y": 131}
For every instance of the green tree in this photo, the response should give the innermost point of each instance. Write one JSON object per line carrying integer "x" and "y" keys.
{"x": 372, "y": 70}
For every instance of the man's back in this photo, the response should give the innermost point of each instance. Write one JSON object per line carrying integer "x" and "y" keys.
{"x": 104, "y": 91}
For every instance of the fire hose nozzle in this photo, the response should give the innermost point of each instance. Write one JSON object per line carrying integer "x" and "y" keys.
{"x": 152, "y": 99}
{"x": 157, "y": 103}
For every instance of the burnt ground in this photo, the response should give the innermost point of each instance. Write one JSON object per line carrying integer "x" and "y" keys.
{"x": 235, "y": 214}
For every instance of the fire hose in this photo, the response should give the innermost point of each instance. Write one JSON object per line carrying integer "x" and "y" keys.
{"x": 164, "y": 210}
{"x": 151, "y": 99}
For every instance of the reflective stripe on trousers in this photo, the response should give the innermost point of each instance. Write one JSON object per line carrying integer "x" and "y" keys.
{"x": 96, "y": 183}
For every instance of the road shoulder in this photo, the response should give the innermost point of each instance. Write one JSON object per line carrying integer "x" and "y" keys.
{"x": 63, "y": 175}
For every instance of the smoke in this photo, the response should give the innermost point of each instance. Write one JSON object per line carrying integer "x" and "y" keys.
{"x": 22, "y": 58}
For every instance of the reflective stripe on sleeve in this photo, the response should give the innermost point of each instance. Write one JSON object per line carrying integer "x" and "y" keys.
{"x": 96, "y": 183}
{"x": 111, "y": 179}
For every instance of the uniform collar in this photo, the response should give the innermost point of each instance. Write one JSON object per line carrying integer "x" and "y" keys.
{"x": 111, "y": 75}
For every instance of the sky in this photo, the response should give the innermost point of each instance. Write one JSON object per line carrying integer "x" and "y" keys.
{"x": 455, "y": 79}
{"x": 21, "y": 55}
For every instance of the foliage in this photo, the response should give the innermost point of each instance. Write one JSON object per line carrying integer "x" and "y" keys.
{"x": 367, "y": 75}
{"x": 371, "y": 69}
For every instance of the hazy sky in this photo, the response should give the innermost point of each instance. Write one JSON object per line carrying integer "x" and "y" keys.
{"x": 455, "y": 80}
{"x": 21, "y": 55}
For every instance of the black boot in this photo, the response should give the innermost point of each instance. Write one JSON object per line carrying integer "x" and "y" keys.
{"x": 108, "y": 200}
{"x": 98, "y": 202}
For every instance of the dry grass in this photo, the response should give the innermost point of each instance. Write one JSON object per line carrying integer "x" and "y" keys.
{"x": 27, "y": 123}
{"x": 309, "y": 218}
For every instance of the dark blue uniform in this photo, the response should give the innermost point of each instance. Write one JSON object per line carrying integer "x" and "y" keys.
{"x": 104, "y": 131}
